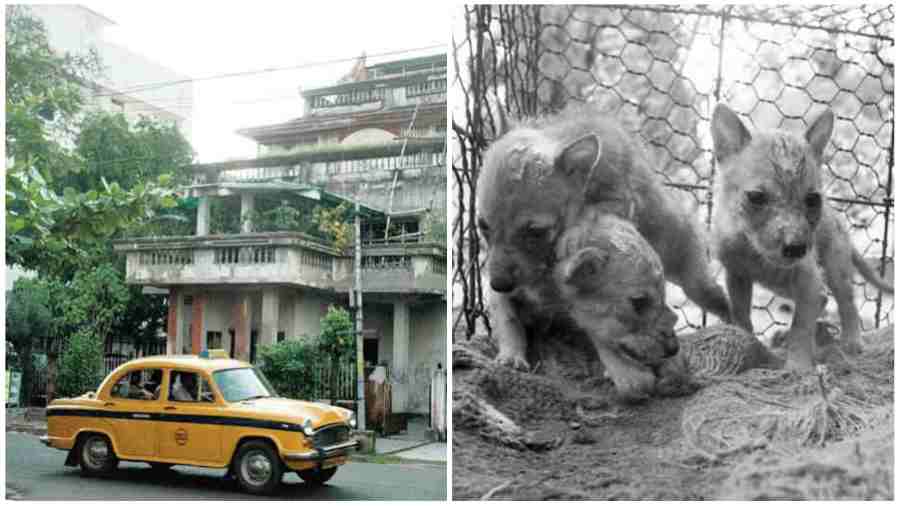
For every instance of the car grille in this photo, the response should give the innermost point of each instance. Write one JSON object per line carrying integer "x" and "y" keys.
{"x": 328, "y": 436}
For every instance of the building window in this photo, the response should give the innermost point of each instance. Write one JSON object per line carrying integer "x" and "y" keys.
{"x": 213, "y": 340}
{"x": 280, "y": 336}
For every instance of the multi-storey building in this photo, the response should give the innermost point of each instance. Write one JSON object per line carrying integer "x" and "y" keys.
{"x": 377, "y": 139}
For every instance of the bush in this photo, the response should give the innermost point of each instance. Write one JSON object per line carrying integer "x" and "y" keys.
{"x": 81, "y": 365}
{"x": 289, "y": 367}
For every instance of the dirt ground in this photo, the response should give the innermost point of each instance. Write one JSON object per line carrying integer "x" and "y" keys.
{"x": 559, "y": 434}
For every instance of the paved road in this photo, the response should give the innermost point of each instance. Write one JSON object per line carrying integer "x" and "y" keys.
{"x": 37, "y": 472}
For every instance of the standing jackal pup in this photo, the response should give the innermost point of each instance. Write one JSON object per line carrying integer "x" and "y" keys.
{"x": 535, "y": 182}
{"x": 612, "y": 283}
{"x": 770, "y": 226}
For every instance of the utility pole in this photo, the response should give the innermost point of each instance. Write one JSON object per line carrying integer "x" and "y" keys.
{"x": 357, "y": 289}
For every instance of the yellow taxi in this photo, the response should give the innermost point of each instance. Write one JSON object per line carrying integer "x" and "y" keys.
{"x": 206, "y": 410}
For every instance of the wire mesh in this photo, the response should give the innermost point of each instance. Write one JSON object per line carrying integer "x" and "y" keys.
{"x": 660, "y": 70}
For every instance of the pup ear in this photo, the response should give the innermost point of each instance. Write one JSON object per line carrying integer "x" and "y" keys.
{"x": 584, "y": 266}
{"x": 580, "y": 156}
{"x": 819, "y": 132}
{"x": 729, "y": 134}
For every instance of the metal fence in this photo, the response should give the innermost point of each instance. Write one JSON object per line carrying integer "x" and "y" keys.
{"x": 660, "y": 70}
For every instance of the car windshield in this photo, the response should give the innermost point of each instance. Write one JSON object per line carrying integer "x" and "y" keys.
{"x": 243, "y": 384}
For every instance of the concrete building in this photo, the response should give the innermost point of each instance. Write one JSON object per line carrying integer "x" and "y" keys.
{"x": 239, "y": 282}
{"x": 123, "y": 85}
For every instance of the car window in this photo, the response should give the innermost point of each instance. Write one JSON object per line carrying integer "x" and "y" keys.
{"x": 141, "y": 385}
{"x": 189, "y": 387}
{"x": 243, "y": 384}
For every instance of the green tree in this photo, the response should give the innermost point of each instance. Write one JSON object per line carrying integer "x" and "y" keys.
{"x": 45, "y": 227}
{"x": 290, "y": 367}
{"x": 28, "y": 319}
{"x": 96, "y": 299}
{"x": 81, "y": 365}
{"x": 336, "y": 342}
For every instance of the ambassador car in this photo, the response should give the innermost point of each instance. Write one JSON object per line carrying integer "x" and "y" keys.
{"x": 208, "y": 411}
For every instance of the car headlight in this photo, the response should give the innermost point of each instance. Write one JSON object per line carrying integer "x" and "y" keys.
{"x": 352, "y": 421}
{"x": 308, "y": 427}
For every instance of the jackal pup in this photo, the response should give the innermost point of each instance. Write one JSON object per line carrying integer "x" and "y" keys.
{"x": 535, "y": 182}
{"x": 612, "y": 283}
{"x": 771, "y": 226}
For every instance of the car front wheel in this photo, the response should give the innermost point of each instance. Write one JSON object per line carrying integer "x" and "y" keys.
{"x": 97, "y": 457}
{"x": 258, "y": 467}
{"x": 317, "y": 476}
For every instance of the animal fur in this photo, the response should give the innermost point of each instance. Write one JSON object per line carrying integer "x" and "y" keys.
{"x": 536, "y": 181}
{"x": 771, "y": 226}
{"x": 612, "y": 284}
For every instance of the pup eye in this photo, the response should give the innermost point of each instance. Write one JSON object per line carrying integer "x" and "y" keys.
{"x": 533, "y": 232}
{"x": 813, "y": 200}
{"x": 641, "y": 303}
{"x": 757, "y": 198}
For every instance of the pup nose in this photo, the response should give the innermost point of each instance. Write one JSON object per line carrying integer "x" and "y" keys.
{"x": 502, "y": 284}
{"x": 794, "y": 250}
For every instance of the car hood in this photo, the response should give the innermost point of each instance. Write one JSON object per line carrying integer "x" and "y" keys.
{"x": 293, "y": 411}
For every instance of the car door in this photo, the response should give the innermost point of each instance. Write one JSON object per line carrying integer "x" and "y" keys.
{"x": 133, "y": 406}
{"x": 189, "y": 427}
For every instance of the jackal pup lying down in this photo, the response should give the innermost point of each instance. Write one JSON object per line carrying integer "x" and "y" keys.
{"x": 771, "y": 226}
{"x": 535, "y": 182}
{"x": 612, "y": 283}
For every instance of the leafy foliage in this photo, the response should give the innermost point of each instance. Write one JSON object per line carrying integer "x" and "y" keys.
{"x": 290, "y": 364}
{"x": 96, "y": 300}
{"x": 28, "y": 318}
{"x": 336, "y": 342}
{"x": 289, "y": 367}
{"x": 336, "y": 224}
{"x": 336, "y": 339}
{"x": 81, "y": 365}
{"x": 47, "y": 225}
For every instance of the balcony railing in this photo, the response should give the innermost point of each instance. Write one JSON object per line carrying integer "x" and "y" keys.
{"x": 285, "y": 258}
{"x": 387, "y": 164}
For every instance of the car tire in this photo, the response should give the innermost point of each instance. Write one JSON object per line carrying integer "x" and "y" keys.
{"x": 96, "y": 455}
{"x": 160, "y": 467}
{"x": 317, "y": 476}
{"x": 258, "y": 467}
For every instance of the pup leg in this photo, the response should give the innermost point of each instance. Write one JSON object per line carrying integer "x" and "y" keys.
{"x": 701, "y": 288}
{"x": 633, "y": 381}
{"x": 807, "y": 294}
{"x": 839, "y": 276}
{"x": 509, "y": 332}
{"x": 740, "y": 289}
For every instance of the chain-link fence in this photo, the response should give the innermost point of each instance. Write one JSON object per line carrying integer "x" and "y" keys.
{"x": 660, "y": 70}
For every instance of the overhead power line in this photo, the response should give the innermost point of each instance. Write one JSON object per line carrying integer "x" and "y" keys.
{"x": 152, "y": 86}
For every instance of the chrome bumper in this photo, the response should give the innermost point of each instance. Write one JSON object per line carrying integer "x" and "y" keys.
{"x": 46, "y": 441}
{"x": 323, "y": 453}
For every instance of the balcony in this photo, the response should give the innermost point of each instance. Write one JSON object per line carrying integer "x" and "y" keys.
{"x": 283, "y": 258}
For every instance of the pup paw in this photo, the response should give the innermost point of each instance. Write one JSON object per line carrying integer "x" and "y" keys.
{"x": 635, "y": 386}
{"x": 516, "y": 362}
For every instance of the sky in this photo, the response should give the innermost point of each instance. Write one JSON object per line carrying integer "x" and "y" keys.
{"x": 199, "y": 39}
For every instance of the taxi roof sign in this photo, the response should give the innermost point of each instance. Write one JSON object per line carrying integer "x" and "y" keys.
{"x": 214, "y": 353}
